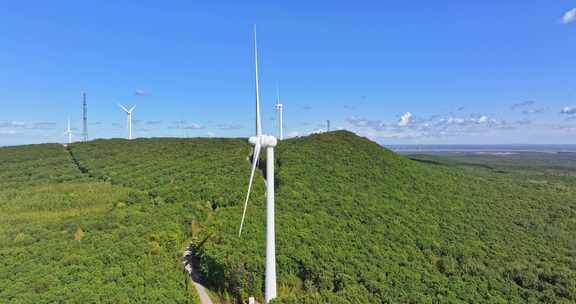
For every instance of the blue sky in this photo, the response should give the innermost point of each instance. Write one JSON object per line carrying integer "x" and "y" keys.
{"x": 424, "y": 72}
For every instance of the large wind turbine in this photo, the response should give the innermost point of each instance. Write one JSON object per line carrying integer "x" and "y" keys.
{"x": 280, "y": 110}
{"x": 69, "y": 132}
{"x": 269, "y": 142}
{"x": 129, "y": 113}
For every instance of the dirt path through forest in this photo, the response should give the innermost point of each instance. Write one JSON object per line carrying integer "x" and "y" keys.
{"x": 188, "y": 265}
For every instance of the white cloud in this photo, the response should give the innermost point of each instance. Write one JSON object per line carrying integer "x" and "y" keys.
{"x": 318, "y": 130}
{"x": 434, "y": 126}
{"x": 524, "y": 122}
{"x": 456, "y": 121}
{"x": 141, "y": 93}
{"x": 8, "y": 132}
{"x": 405, "y": 119}
{"x": 40, "y": 125}
{"x": 193, "y": 126}
{"x": 522, "y": 104}
{"x": 182, "y": 124}
{"x": 359, "y": 121}
{"x": 533, "y": 111}
{"x": 569, "y": 16}
{"x": 568, "y": 110}
{"x": 229, "y": 126}
{"x": 12, "y": 124}
{"x": 293, "y": 134}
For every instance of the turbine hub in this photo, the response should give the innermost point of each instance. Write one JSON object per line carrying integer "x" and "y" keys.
{"x": 264, "y": 140}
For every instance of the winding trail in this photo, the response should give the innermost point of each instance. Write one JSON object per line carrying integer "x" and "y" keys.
{"x": 188, "y": 261}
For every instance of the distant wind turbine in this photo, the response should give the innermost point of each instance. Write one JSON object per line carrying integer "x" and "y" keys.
{"x": 129, "y": 113}
{"x": 280, "y": 110}
{"x": 269, "y": 142}
{"x": 69, "y": 132}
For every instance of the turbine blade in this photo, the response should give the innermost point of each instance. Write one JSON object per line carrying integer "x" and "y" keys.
{"x": 255, "y": 159}
{"x": 258, "y": 122}
{"x": 131, "y": 109}
{"x": 123, "y": 108}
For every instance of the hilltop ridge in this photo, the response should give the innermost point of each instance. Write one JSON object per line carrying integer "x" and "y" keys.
{"x": 357, "y": 223}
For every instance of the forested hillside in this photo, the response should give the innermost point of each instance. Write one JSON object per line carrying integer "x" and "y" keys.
{"x": 359, "y": 224}
{"x": 106, "y": 222}
{"x": 25, "y": 166}
{"x": 178, "y": 170}
{"x": 134, "y": 204}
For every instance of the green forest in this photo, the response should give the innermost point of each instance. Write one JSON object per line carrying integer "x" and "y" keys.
{"x": 66, "y": 237}
{"x": 106, "y": 221}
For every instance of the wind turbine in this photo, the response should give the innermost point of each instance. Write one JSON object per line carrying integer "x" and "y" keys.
{"x": 269, "y": 142}
{"x": 69, "y": 132}
{"x": 280, "y": 110}
{"x": 129, "y": 113}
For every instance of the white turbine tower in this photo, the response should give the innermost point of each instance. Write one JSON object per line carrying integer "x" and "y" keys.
{"x": 280, "y": 110}
{"x": 269, "y": 142}
{"x": 129, "y": 113}
{"x": 69, "y": 132}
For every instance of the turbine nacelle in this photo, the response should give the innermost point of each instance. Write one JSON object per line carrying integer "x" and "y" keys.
{"x": 264, "y": 141}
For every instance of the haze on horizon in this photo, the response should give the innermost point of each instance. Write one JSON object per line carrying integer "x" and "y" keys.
{"x": 400, "y": 73}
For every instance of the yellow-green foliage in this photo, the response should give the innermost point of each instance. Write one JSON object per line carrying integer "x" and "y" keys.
{"x": 41, "y": 260}
{"x": 23, "y": 166}
{"x": 178, "y": 170}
